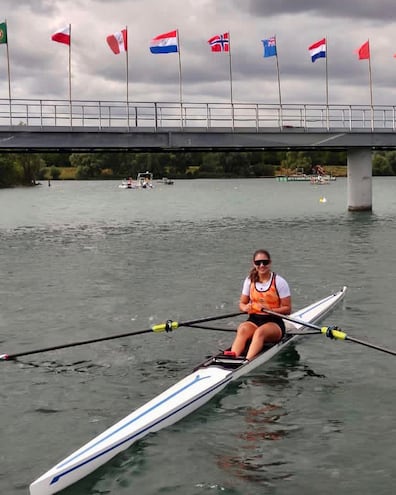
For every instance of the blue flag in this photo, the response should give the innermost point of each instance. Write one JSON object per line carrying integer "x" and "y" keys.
{"x": 269, "y": 47}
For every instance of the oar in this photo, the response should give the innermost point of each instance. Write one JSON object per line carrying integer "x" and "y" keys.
{"x": 331, "y": 332}
{"x": 161, "y": 327}
{"x": 207, "y": 327}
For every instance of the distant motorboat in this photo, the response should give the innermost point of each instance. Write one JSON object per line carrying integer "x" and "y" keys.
{"x": 166, "y": 181}
{"x": 318, "y": 176}
{"x": 321, "y": 180}
{"x": 144, "y": 180}
{"x": 128, "y": 184}
{"x": 313, "y": 179}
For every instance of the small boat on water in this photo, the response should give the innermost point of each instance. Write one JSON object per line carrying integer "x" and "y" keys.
{"x": 313, "y": 179}
{"x": 181, "y": 399}
{"x": 144, "y": 180}
{"x": 167, "y": 181}
{"x": 317, "y": 176}
{"x": 321, "y": 180}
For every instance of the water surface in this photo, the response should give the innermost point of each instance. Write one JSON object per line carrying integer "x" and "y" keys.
{"x": 81, "y": 260}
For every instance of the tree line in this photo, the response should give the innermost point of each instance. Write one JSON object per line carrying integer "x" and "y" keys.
{"x": 28, "y": 168}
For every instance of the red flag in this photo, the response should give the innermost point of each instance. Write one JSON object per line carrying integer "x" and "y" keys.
{"x": 220, "y": 42}
{"x": 118, "y": 42}
{"x": 363, "y": 52}
{"x": 62, "y": 35}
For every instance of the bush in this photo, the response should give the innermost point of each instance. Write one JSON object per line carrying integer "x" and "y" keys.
{"x": 106, "y": 173}
{"x": 54, "y": 173}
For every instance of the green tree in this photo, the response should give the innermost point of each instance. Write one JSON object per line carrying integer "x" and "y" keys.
{"x": 210, "y": 166}
{"x": 88, "y": 165}
{"x": 391, "y": 157}
{"x": 55, "y": 173}
{"x": 56, "y": 159}
{"x": 381, "y": 165}
{"x": 8, "y": 171}
{"x": 296, "y": 159}
{"x": 30, "y": 163}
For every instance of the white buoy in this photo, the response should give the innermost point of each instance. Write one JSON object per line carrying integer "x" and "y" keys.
{"x": 322, "y": 200}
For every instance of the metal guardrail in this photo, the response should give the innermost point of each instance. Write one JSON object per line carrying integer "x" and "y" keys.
{"x": 104, "y": 115}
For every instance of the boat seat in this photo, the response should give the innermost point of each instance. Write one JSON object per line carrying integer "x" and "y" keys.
{"x": 229, "y": 361}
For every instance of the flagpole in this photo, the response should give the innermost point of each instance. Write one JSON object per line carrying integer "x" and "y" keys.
{"x": 230, "y": 68}
{"x": 9, "y": 73}
{"x": 327, "y": 87}
{"x": 371, "y": 89}
{"x": 70, "y": 91}
{"x": 279, "y": 86}
{"x": 180, "y": 77}
{"x": 230, "y": 64}
{"x": 127, "y": 66}
{"x": 127, "y": 73}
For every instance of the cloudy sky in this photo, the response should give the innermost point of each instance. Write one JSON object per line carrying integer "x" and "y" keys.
{"x": 39, "y": 66}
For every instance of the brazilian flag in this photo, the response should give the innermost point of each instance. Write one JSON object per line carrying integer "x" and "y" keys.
{"x": 3, "y": 33}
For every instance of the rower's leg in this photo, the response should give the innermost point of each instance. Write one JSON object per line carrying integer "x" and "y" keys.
{"x": 269, "y": 332}
{"x": 244, "y": 333}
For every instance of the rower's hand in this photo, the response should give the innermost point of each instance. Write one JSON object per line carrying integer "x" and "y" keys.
{"x": 253, "y": 308}
{"x": 247, "y": 308}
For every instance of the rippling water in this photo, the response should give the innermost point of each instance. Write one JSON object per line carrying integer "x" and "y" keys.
{"x": 81, "y": 260}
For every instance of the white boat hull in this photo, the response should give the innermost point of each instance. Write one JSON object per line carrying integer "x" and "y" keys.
{"x": 172, "y": 405}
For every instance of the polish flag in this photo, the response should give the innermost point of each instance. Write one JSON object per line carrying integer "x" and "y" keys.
{"x": 118, "y": 42}
{"x": 62, "y": 35}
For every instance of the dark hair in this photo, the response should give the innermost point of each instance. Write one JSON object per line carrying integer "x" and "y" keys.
{"x": 253, "y": 274}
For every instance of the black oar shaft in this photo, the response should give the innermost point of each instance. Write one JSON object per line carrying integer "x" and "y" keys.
{"x": 7, "y": 357}
{"x": 373, "y": 346}
{"x": 332, "y": 332}
{"x": 156, "y": 328}
{"x": 210, "y": 318}
{"x": 207, "y": 327}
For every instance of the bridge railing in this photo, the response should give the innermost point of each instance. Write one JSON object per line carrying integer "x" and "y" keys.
{"x": 107, "y": 115}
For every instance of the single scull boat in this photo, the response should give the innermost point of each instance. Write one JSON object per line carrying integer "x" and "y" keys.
{"x": 190, "y": 393}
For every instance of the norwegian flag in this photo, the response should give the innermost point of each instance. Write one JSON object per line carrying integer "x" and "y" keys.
{"x": 220, "y": 43}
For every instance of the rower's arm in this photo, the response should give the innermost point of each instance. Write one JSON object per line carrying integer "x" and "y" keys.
{"x": 285, "y": 307}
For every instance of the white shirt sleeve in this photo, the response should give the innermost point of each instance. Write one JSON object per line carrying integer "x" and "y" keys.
{"x": 283, "y": 287}
{"x": 246, "y": 287}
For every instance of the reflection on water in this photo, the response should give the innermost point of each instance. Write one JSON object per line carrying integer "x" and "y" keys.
{"x": 254, "y": 457}
{"x": 250, "y": 459}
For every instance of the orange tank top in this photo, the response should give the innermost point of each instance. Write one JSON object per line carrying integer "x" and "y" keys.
{"x": 268, "y": 298}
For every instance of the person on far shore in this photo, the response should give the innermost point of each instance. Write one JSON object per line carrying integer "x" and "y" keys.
{"x": 262, "y": 289}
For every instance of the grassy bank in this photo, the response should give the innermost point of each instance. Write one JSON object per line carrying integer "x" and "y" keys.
{"x": 69, "y": 173}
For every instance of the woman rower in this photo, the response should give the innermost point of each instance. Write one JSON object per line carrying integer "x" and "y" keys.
{"x": 262, "y": 289}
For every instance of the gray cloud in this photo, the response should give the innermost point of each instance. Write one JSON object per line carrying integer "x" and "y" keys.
{"x": 38, "y": 6}
{"x": 354, "y": 9}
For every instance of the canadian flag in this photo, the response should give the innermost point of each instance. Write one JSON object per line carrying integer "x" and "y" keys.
{"x": 62, "y": 35}
{"x": 118, "y": 42}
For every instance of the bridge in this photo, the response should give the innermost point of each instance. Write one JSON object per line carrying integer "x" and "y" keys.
{"x": 86, "y": 126}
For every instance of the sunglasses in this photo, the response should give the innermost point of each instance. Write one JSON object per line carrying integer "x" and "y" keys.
{"x": 262, "y": 262}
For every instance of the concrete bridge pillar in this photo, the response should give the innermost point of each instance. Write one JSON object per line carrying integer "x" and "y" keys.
{"x": 359, "y": 180}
